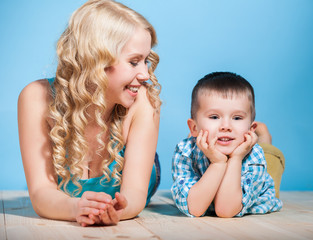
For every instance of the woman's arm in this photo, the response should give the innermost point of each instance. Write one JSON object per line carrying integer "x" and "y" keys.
{"x": 36, "y": 150}
{"x": 139, "y": 156}
{"x": 36, "y": 154}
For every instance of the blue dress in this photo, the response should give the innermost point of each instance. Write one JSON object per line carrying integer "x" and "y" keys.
{"x": 95, "y": 184}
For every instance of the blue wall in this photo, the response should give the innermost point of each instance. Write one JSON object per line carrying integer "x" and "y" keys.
{"x": 268, "y": 42}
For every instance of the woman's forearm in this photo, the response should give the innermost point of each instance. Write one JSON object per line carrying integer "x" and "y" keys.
{"x": 53, "y": 204}
{"x": 136, "y": 201}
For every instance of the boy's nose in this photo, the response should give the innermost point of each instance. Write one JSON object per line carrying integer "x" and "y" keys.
{"x": 225, "y": 126}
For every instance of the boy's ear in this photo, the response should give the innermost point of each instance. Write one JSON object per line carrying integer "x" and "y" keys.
{"x": 253, "y": 126}
{"x": 192, "y": 127}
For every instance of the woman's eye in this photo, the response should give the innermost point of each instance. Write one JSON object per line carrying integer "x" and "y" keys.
{"x": 134, "y": 64}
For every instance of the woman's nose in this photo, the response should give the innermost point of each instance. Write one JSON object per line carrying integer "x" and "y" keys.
{"x": 143, "y": 74}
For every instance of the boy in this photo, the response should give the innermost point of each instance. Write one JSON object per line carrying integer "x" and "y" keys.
{"x": 220, "y": 167}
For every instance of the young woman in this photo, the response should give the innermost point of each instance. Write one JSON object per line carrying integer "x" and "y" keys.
{"x": 88, "y": 136}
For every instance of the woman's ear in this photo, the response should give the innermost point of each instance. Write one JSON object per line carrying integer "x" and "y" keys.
{"x": 192, "y": 127}
{"x": 253, "y": 126}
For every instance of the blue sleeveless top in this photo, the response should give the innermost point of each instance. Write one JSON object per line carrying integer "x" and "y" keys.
{"x": 96, "y": 185}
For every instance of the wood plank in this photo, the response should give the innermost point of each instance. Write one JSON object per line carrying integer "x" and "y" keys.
{"x": 300, "y": 200}
{"x": 2, "y": 219}
{"x": 255, "y": 227}
{"x": 23, "y": 223}
{"x": 293, "y": 222}
{"x": 166, "y": 221}
{"x": 161, "y": 220}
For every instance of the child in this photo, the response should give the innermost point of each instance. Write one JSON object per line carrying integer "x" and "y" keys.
{"x": 220, "y": 167}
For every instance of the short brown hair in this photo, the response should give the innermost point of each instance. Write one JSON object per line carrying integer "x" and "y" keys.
{"x": 225, "y": 83}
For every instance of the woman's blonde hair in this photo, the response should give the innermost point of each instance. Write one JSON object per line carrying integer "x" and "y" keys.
{"x": 93, "y": 40}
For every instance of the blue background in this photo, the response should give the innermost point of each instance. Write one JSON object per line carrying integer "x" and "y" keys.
{"x": 270, "y": 43}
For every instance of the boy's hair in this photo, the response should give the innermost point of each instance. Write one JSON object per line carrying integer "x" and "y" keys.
{"x": 224, "y": 83}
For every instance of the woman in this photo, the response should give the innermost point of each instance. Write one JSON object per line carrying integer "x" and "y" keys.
{"x": 88, "y": 137}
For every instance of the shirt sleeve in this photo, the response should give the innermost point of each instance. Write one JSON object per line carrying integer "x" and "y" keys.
{"x": 184, "y": 178}
{"x": 257, "y": 186}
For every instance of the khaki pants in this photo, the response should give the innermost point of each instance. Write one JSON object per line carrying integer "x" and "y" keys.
{"x": 275, "y": 164}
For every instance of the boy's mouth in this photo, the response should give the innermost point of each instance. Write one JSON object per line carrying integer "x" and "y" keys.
{"x": 225, "y": 139}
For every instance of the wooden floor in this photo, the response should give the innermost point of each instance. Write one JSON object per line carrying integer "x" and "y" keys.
{"x": 161, "y": 220}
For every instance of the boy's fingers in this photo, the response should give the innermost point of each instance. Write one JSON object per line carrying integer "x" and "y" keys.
{"x": 254, "y": 138}
{"x": 199, "y": 137}
{"x": 213, "y": 142}
{"x": 203, "y": 140}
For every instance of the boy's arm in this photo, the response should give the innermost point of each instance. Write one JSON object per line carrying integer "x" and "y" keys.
{"x": 257, "y": 185}
{"x": 203, "y": 192}
{"x": 229, "y": 196}
{"x": 184, "y": 178}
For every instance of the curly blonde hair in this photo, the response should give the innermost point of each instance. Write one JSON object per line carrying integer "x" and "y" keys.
{"x": 93, "y": 41}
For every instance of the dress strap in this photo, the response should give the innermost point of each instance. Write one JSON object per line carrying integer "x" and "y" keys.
{"x": 51, "y": 82}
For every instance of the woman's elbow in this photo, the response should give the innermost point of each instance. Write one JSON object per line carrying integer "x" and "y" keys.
{"x": 36, "y": 200}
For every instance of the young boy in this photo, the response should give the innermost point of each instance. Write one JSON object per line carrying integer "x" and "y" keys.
{"x": 221, "y": 168}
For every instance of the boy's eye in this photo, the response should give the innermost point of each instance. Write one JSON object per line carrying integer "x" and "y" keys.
{"x": 238, "y": 118}
{"x": 213, "y": 117}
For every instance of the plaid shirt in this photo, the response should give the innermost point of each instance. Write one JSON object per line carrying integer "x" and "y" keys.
{"x": 258, "y": 192}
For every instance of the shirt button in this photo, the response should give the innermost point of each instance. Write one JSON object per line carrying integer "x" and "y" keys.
{"x": 181, "y": 181}
{"x": 248, "y": 181}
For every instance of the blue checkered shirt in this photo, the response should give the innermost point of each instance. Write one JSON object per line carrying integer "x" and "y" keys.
{"x": 189, "y": 164}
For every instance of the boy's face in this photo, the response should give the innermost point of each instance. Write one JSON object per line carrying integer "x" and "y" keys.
{"x": 228, "y": 119}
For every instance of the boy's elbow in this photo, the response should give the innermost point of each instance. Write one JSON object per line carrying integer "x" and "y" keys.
{"x": 195, "y": 210}
{"x": 227, "y": 212}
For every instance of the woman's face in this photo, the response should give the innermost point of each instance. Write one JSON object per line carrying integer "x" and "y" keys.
{"x": 127, "y": 75}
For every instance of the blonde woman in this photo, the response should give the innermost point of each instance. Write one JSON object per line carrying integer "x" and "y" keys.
{"x": 88, "y": 136}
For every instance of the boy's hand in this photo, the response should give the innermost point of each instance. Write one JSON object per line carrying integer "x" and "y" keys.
{"x": 208, "y": 148}
{"x": 244, "y": 148}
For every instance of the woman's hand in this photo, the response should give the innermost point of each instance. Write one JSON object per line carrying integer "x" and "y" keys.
{"x": 90, "y": 206}
{"x": 112, "y": 215}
